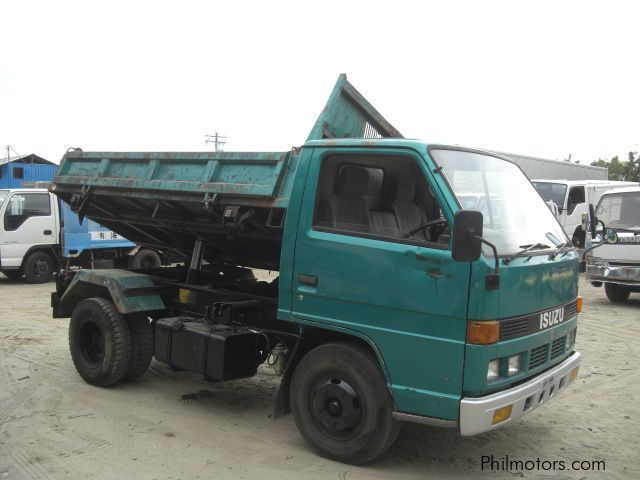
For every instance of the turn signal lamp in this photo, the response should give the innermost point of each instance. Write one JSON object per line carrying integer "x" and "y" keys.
{"x": 502, "y": 414}
{"x": 579, "y": 303}
{"x": 574, "y": 374}
{"x": 483, "y": 333}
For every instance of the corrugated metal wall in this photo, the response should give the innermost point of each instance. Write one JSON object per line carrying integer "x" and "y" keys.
{"x": 541, "y": 168}
{"x": 10, "y": 174}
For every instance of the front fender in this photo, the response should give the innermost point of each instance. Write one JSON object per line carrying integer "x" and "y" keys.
{"x": 111, "y": 283}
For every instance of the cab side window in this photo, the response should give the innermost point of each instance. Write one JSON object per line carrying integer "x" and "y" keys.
{"x": 23, "y": 206}
{"x": 380, "y": 197}
{"x": 576, "y": 197}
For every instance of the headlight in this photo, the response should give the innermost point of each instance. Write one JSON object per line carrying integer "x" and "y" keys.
{"x": 493, "y": 371}
{"x": 514, "y": 365}
{"x": 571, "y": 337}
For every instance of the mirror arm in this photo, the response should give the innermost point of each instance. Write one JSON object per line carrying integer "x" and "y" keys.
{"x": 583, "y": 263}
{"x": 492, "y": 280}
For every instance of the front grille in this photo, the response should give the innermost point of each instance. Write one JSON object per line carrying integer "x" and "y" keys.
{"x": 513, "y": 328}
{"x": 538, "y": 356}
{"x": 557, "y": 347}
{"x": 572, "y": 309}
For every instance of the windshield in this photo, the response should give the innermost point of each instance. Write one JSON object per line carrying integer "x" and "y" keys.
{"x": 515, "y": 217}
{"x": 552, "y": 192}
{"x": 3, "y": 195}
{"x": 620, "y": 210}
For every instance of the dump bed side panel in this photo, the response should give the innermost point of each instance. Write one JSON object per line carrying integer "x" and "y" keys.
{"x": 162, "y": 174}
{"x": 235, "y": 202}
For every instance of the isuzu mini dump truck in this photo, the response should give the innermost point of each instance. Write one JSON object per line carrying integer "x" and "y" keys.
{"x": 392, "y": 303}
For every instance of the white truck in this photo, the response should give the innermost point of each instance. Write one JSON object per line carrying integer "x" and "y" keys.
{"x": 38, "y": 234}
{"x": 571, "y": 199}
{"x": 613, "y": 253}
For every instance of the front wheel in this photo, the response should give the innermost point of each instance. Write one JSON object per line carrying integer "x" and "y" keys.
{"x": 616, "y": 293}
{"x": 38, "y": 267}
{"x": 341, "y": 404}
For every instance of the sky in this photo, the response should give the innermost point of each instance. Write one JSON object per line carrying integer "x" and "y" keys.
{"x": 543, "y": 78}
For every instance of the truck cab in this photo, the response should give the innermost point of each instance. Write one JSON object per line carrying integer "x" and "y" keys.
{"x": 571, "y": 199}
{"x": 393, "y": 302}
{"x": 29, "y": 233}
{"x": 613, "y": 255}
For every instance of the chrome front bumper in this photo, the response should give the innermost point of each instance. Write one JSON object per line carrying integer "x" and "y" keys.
{"x": 476, "y": 414}
{"x": 622, "y": 274}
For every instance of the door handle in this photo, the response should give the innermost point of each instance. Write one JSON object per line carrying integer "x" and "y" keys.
{"x": 422, "y": 258}
{"x": 310, "y": 280}
{"x": 47, "y": 232}
{"x": 435, "y": 273}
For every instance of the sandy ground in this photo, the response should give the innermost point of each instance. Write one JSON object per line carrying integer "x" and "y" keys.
{"x": 55, "y": 426}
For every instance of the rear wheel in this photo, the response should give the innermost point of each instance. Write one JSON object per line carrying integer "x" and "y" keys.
{"x": 146, "y": 259}
{"x": 13, "y": 273}
{"x": 142, "y": 346}
{"x": 100, "y": 342}
{"x": 38, "y": 267}
{"x": 341, "y": 404}
{"x": 616, "y": 293}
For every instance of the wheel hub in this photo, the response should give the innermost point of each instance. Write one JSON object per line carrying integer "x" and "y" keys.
{"x": 336, "y": 407}
{"x": 91, "y": 344}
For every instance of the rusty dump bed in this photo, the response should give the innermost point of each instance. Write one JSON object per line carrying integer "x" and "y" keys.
{"x": 235, "y": 201}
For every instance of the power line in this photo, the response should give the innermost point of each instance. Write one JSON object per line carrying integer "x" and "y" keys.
{"x": 217, "y": 140}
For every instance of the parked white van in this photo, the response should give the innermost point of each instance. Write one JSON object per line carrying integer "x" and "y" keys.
{"x": 572, "y": 199}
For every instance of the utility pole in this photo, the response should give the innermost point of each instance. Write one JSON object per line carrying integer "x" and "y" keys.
{"x": 9, "y": 150}
{"x": 217, "y": 140}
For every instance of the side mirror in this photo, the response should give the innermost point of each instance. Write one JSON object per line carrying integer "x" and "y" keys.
{"x": 467, "y": 235}
{"x": 593, "y": 221}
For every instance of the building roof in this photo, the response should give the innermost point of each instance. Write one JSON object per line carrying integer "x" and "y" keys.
{"x": 27, "y": 158}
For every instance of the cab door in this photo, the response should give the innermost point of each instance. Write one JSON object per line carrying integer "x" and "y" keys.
{"x": 28, "y": 219}
{"x": 359, "y": 269}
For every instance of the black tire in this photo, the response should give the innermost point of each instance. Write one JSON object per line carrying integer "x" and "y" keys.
{"x": 616, "y": 293}
{"x": 100, "y": 342}
{"x": 13, "y": 274}
{"x": 146, "y": 259}
{"x": 38, "y": 267}
{"x": 341, "y": 404}
{"x": 142, "y": 346}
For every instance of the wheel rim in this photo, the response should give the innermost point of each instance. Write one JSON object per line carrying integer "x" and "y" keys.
{"x": 40, "y": 268}
{"x": 91, "y": 344}
{"x": 336, "y": 408}
{"x": 147, "y": 262}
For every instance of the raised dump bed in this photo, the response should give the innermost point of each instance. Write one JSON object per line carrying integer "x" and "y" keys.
{"x": 235, "y": 202}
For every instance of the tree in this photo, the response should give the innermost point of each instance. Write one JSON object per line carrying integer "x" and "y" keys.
{"x": 628, "y": 170}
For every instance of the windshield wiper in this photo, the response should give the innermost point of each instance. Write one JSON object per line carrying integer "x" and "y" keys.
{"x": 526, "y": 249}
{"x": 562, "y": 249}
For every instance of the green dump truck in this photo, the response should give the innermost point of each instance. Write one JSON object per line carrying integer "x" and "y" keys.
{"x": 392, "y": 302}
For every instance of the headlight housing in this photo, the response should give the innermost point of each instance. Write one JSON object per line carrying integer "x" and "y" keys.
{"x": 514, "y": 365}
{"x": 493, "y": 371}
